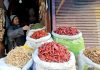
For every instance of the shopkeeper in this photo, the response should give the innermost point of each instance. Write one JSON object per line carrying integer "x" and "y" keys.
{"x": 16, "y": 33}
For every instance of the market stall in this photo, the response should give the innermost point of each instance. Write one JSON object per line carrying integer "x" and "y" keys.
{"x": 61, "y": 48}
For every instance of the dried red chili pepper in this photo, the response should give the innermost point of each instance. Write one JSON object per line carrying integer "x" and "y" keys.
{"x": 66, "y": 31}
{"x": 39, "y": 34}
{"x": 53, "y": 52}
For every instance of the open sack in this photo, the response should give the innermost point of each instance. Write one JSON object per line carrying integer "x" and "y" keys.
{"x": 74, "y": 43}
{"x": 4, "y": 66}
{"x": 42, "y": 65}
{"x": 84, "y": 63}
{"x": 37, "y": 42}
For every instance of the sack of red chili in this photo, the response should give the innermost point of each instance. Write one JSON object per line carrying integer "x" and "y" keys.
{"x": 71, "y": 37}
{"x": 32, "y": 30}
{"x": 53, "y": 56}
{"x": 38, "y": 37}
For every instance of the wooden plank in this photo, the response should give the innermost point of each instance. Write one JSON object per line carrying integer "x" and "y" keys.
{"x": 69, "y": 13}
{"x": 60, "y": 5}
{"x": 77, "y": 20}
{"x": 81, "y": 1}
{"x": 73, "y": 8}
{"x": 74, "y": 23}
{"x": 82, "y": 28}
{"x": 76, "y": 17}
{"x": 78, "y": 24}
{"x": 84, "y": 15}
{"x": 72, "y": 5}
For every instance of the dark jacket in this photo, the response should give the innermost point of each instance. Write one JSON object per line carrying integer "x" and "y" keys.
{"x": 16, "y": 36}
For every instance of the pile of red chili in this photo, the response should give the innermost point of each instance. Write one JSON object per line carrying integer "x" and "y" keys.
{"x": 66, "y": 30}
{"x": 39, "y": 34}
{"x": 53, "y": 52}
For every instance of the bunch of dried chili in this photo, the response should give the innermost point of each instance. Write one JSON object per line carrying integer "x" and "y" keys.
{"x": 39, "y": 34}
{"x": 53, "y": 52}
{"x": 66, "y": 31}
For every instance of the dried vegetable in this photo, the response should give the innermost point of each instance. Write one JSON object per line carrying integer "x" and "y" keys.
{"x": 39, "y": 34}
{"x": 53, "y": 52}
{"x": 66, "y": 31}
{"x": 18, "y": 57}
{"x": 93, "y": 54}
{"x": 37, "y": 26}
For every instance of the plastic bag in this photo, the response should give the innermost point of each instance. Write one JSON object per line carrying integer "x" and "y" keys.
{"x": 4, "y": 66}
{"x": 37, "y": 42}
{"x": 32, "y": 30}
{"x": 74, "y": 43}
{"x": 35, "y": 45}
{"x": 42, "y": 65}
{"x": 84, "y": 63}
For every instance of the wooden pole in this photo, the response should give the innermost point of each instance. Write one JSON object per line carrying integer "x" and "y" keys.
{"x": 53, "y": 15}
{"x": 60, "y": 5}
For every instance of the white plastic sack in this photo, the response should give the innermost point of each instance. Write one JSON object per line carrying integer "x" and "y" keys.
{"x": 37, "y": 42}
{"x": 33, "y": 30}
{"x": 28, "y": 65}
{"x": 84, "y": 63}
{"x": 35, "y": 45}
{"x": 29, "y": 43}
{"x": 42, "y": 65}
{"x": 4, "y": 66}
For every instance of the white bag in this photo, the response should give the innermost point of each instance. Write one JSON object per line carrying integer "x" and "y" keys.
{"x": 35, "y": 45}
{"x": 42, "y": 65}
{"x": 4, "y": 66}
{"x": 37, "y": 42}
{"x": 84, "y": 63}
{"x": 33, "y": 30}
